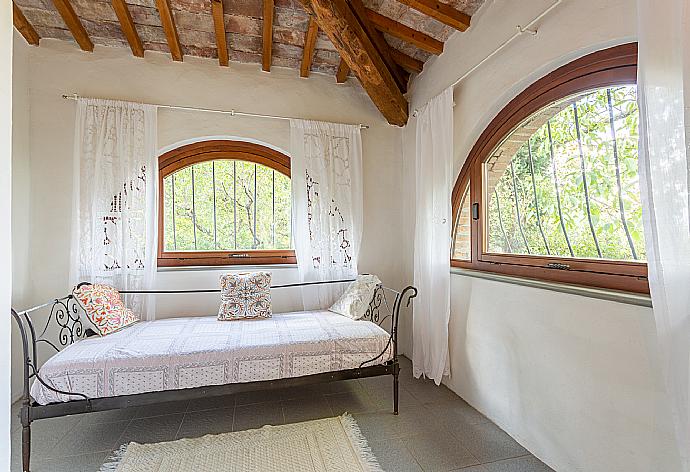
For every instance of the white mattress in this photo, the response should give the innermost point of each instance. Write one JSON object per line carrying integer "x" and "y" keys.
{"x": 181, "y": 353}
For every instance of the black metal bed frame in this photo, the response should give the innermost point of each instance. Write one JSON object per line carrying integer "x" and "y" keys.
{"x": 65, "y": 315}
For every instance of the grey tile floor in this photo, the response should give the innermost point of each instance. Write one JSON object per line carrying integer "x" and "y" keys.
{"x": 435, "y": 431}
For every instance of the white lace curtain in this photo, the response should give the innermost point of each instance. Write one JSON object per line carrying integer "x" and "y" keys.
{"x": 326, "y": 173}
{"x": 664, "y": 94}
{"x": 114, "y": 223}
{"x": 434, "y": 180}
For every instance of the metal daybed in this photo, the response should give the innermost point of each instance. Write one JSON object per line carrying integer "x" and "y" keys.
{"x": 64, "y": 322}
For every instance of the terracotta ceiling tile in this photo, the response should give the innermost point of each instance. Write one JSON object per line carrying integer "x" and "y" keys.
{"x": 54, "y": 33}
{"x": 198, "y": 51}
{"x": 109, "y": 42}
{"x": 322, "y": 56}
{"x": 290, "y": 62}
{"x": 240, "y": 42}
{"x": 145, "y": 15}
{"x": 191, "y": 6}
{"x": 152, "y": 34}
{"x": 246, "y": 57}
{"x": 103, "y": 29}
{"x": 198, "y": 38}
{"x": 94, "y": 10}
{"x": 253, "y": 8}
{"x": 292, "y": 4}
{"x": 194, "y": 21}
{"x": 143, "y": 3}
{"x": 288, "y": 36}
{"x": 156, "y": 45}
{"x": 297, "y": 19}
{"x": 287, "y": 50}
{"x": 322, "y": 42}
{"x": 243, "y": 25}
{"x": 38, "y": 17}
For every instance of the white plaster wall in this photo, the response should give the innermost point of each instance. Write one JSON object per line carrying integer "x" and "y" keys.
{"x": 6, "y": 228}
{"x": 56, "y": 68}
{"x": 575, "y": 380}
{"x": 21, "y": 194}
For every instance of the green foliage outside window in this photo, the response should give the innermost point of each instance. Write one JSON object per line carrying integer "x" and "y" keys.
{"x": 571, "y": 190}
{"x": 227, "y": 205}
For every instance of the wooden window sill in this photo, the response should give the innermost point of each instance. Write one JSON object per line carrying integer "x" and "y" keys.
{"x": 231, "y": 267}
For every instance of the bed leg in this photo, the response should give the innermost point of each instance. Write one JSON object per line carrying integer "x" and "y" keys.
{"x": 395, "y": 392}
{"x": 26, "y": 447}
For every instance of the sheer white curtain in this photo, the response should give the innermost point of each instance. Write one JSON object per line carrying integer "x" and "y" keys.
{"x": 434, "y": 180}
{"x": 114, "y": 229}
{"x": 326, "y": 174}
{"x": 664, "y": 96}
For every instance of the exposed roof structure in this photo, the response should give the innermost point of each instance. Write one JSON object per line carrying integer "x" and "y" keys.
{"x": 301, "y": 34}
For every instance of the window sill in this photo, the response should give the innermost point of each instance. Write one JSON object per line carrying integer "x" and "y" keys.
{"x": 602, "y": 294}
{"x": 242, "y": 267}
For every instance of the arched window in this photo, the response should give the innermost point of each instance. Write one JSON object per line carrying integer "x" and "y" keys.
{"x": 550, "y": 190}
{"x": 224, "y": 202}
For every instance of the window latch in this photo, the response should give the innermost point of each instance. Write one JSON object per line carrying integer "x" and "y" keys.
{"x": 475, "y": 211}
{"x": 557, "y": 265}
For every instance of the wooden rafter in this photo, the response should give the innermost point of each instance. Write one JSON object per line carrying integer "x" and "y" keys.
{"x": 343, "y": 71}
{"x": 23, "y": 26}
{"x": 440, "y": 11}
{"x": 309, "y": 45}
{"x": 380, "y": 43}
{"x": 408, "y": 63}
{"x": 73, "y": 24}
{"x": 128, "y": 28}
{"x": 219, "y": 26}
{"x": 168, "y": 22}
{"x": 266, "y": 57}
{"x": 350, "y": 37}
{"x": 400, "y": 31}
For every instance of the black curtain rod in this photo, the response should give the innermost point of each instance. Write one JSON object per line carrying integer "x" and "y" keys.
{"x": 299, "y": 284}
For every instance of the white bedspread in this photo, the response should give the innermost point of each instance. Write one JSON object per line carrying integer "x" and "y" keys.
{"x": 181, "y": 353}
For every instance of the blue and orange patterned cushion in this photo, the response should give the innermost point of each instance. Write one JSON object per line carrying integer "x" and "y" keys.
{"x": 245, "y": 295}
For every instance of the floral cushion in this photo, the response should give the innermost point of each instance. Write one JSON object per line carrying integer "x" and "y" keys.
{"x": 355, "y": 301}
{"x": 104, "y": 308}
{"x": 246, "y": 295}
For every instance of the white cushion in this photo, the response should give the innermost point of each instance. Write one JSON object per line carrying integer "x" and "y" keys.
{"x": 355, "y": 301}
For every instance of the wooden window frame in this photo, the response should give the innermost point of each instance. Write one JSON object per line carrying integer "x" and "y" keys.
{"x": 608, "y": 67}
{"x": 204, "y": 151}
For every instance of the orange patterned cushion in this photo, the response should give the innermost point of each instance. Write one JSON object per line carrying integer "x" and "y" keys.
{"x": 104, "y": 308}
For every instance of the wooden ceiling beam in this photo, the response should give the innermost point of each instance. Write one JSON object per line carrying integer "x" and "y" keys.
{"x": 128, "y": 28}
{"x": 74, "y": 24}
{"x": 443, "y": 12}
{"x": 266, "y": 57}
{"x": 350, "y": 37}
{"x": 417, "y": 38}
{"x": 380, "y": 43}
{"x": 168, "y": 22}
{"x": 219, "y": 26}
{"x": 23, "y": 26}
{"x": 309, "y": 45}
{"x": 343, "y": 71}
{"x": 406, "y": 62}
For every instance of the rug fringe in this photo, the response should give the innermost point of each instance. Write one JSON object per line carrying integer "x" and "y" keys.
{"x": 114, "y": 460}
{"x": 360, "y": 444}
